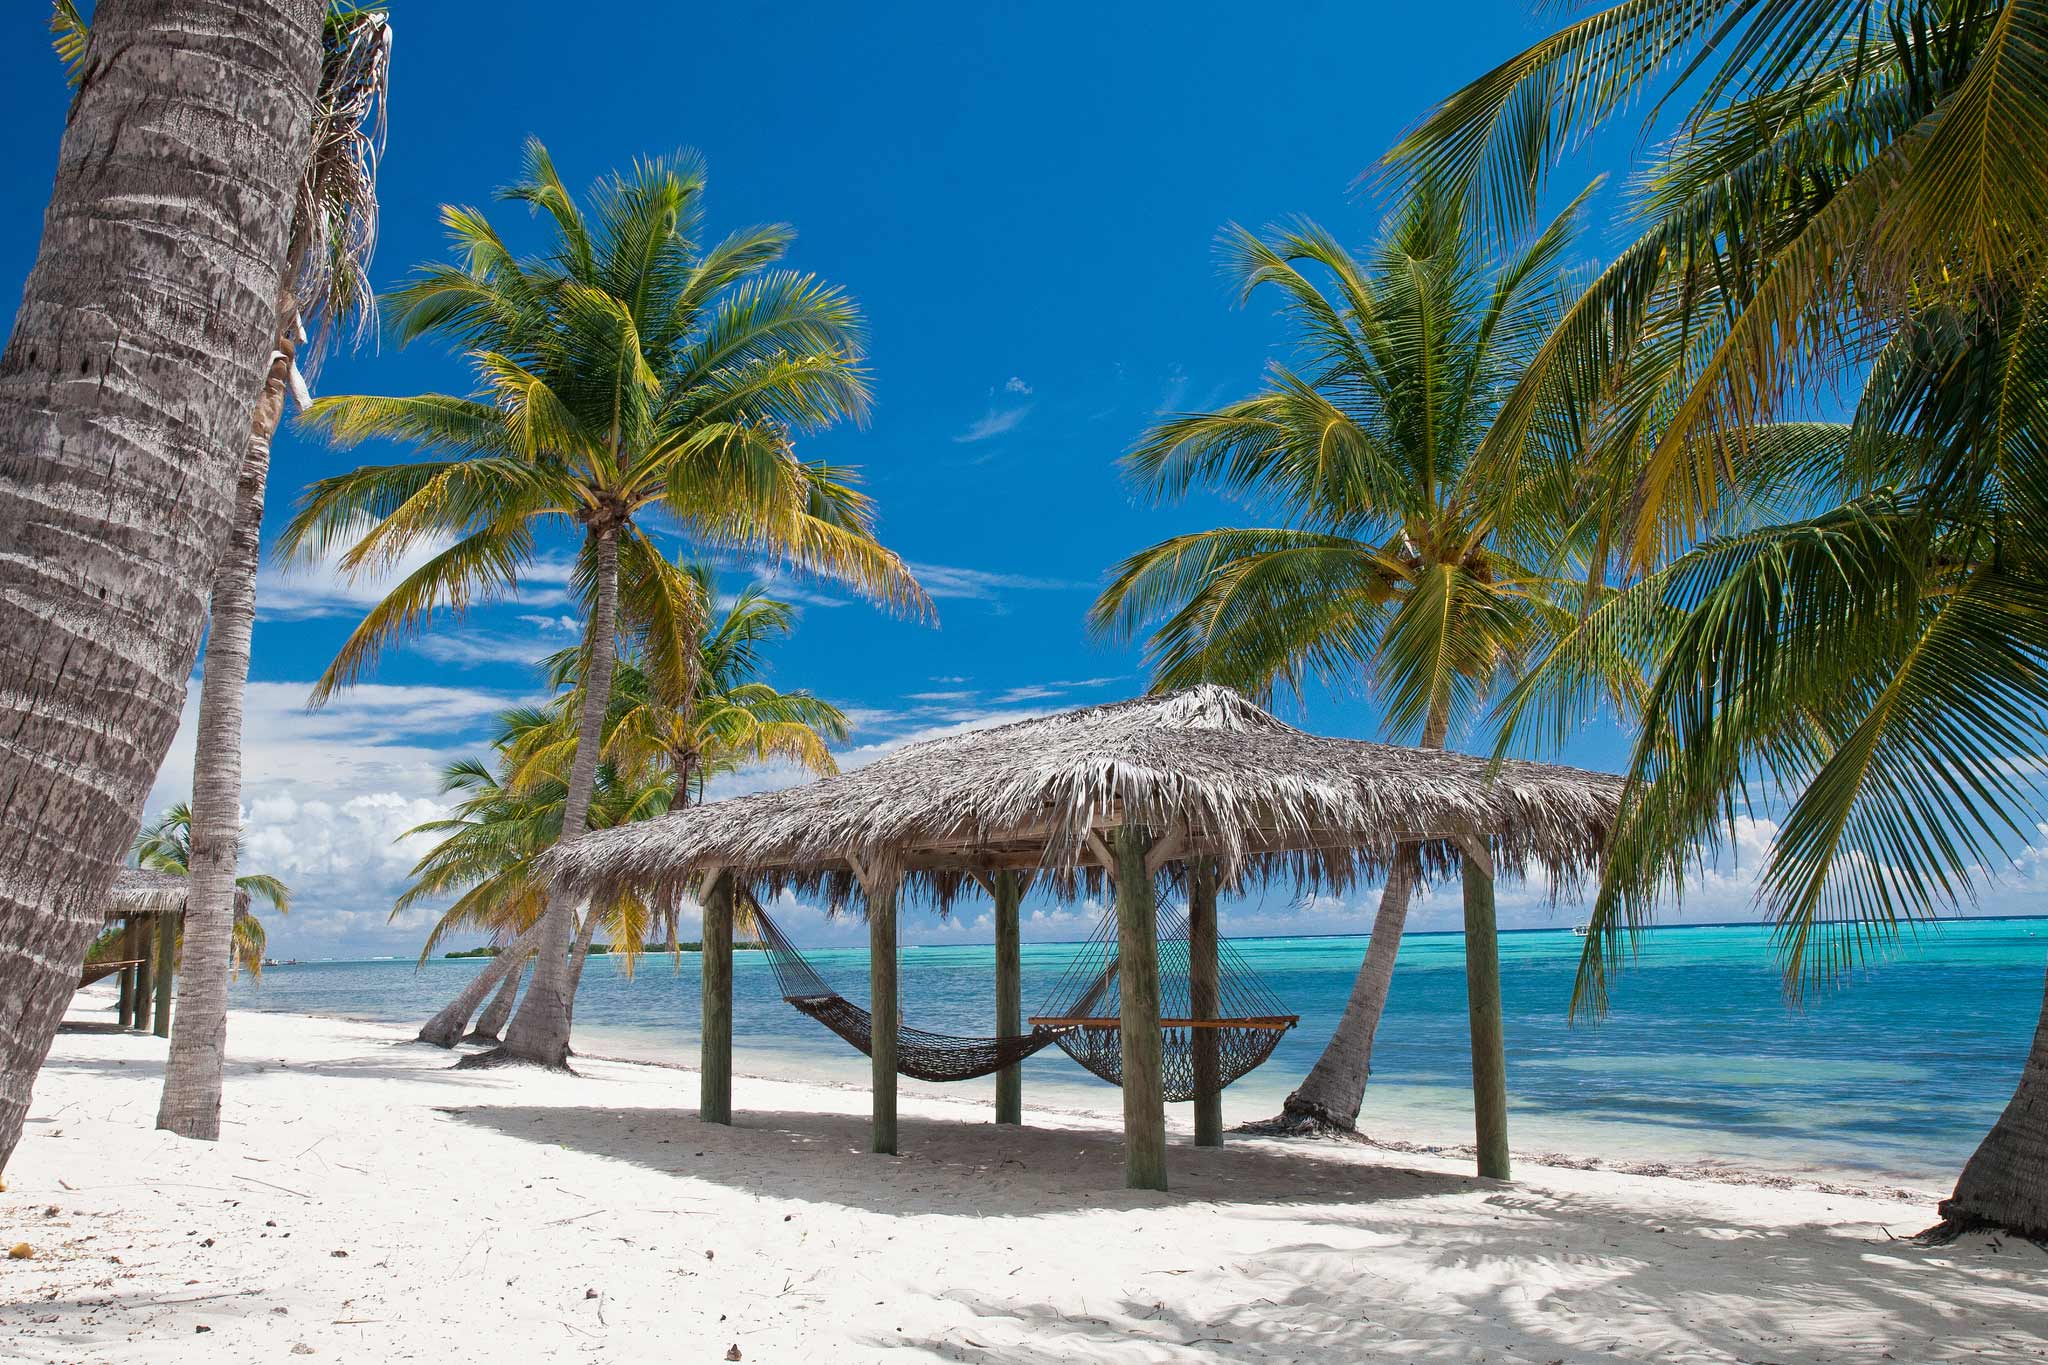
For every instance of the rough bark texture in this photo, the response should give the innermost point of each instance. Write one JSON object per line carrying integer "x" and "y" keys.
{"x": 540, "y": 1027}
{"x": 2005, "y": 1183}
{"x": 125, "y": 391}
{"x": 445, "y": 1028}
{"x": 199, "y": 1036}
{"x": 491, "y": 1027}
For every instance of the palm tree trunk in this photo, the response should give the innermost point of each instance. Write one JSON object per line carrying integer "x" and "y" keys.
{"x": 125, "y": 391}
{"x": 2005, "y": 1183}
{"x": 1334, "y": 1090}
{"x": 540, "y": 1029}
{"x": 445, "y": 1028}
{"x": 680, "y": 801}
{"x": 491, "y": 1028}
{"x": 199, "y": 1037}
{"x": 579, "y": 953}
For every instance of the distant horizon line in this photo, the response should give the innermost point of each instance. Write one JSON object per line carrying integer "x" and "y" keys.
{"x": 1267, "y": 938}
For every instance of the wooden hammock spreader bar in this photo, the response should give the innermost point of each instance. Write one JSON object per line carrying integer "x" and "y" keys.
{"x": 100, "y": 971}
{"x": 1275, "y": 1021}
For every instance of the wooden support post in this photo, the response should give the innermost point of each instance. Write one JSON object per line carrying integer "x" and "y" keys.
{"x": 143, "y": 953}
{"x": 879, "y": 884}
{"x": 1205, "y": 991}
{"x": 166, "y": 970}
{"x": 1009, "y": 893}
{"x": 714, "y": 1074}
{"x": 127, "y": 950}
{"x": 1137, "y": 937}
{"x": 1482, "y": 1000}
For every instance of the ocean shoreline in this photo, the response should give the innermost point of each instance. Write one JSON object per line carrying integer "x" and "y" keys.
{"x": 1793, "y": 1175}
{"x": 593, "y": 1214}
{"x": 1907, "y": 930}
{"x": 1889, "y": 1083}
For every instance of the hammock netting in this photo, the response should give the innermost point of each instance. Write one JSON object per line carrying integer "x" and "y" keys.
{"x": 1205, "y": 1045}
{"x": 1204, "y": 1050}
{"x": 926, "y": 1056}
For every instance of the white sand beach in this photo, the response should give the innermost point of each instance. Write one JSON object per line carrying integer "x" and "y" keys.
{"x": 368, "y": 1204}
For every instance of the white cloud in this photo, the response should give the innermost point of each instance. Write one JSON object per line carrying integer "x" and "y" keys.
{"x": 321, "y": 587}
{"x": 471, "y": 649}
{"x": 950, "y": 581}
{"x": 1018, "y": 386}
{"x": 1174, "y": 394}
{"x": 995, "y": 422}
{"x": 328, "y": 792}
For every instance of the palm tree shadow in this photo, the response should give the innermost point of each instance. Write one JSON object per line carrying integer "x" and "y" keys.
{"x": 1548, "y": 1279}
{"x": 947, "y": 1167}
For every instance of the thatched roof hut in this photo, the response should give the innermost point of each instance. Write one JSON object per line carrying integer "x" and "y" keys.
{"x": 1198, "y": 787}
{"x": 1213, "y": 775}
{"x": 140, "y": 892}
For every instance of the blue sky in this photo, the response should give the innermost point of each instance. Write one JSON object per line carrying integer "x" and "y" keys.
{"x": 1025, "y": 201}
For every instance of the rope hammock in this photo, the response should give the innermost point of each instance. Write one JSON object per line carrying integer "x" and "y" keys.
{"x": 1204, "y": 1050}
{"x": 100, "y": 971}
{"x": 926, "y": 1056}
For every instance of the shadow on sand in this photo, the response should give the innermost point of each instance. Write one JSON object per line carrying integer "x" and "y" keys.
{"x": 1348, "y": 1259}
{"x": 946, "y": 1167}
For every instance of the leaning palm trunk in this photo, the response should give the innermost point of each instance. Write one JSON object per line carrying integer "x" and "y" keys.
{"x": 2005, "y": 1183}
{"x": 491, "y": 1028}
{"x": 445, "y": 1028}
{"x": 1334, "y": 1090}
{"x": 332, "y": 229}
{"x": 540, "y": 1029}
{"x": 199, "y": 1036}
{"x": 579, "y": 953}
{"x": 125, "y": 392}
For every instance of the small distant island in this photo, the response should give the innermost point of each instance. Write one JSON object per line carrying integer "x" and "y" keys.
{"x": 694, "y": 946}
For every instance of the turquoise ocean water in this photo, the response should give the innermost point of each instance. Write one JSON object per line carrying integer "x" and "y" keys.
{"x": 1896, "y": 1075}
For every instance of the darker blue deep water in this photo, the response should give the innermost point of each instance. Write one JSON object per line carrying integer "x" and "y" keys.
{"x": 1899, "y": 1072}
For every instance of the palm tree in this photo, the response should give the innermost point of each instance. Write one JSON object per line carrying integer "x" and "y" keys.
{"x": 333, "y": 230}
{"x": 626, "y": 375}
{"x": 123, "y": 398}
{"x": 165, "y": 845}
{"x": 734, "y": 720}
{"x": 487, "y": 845}
{"x": 1854, "y": 612}
{"x": 1841, "y": 166}
{"x": 511, "y": 815}
{"x": 1400, "y": 560}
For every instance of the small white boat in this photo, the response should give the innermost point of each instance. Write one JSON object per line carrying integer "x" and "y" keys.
{"x": 1582, "y": 929}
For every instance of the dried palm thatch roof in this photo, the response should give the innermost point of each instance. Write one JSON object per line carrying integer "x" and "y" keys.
{"x": 1211, "y": 774}
{"x": 142, "y": 891}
